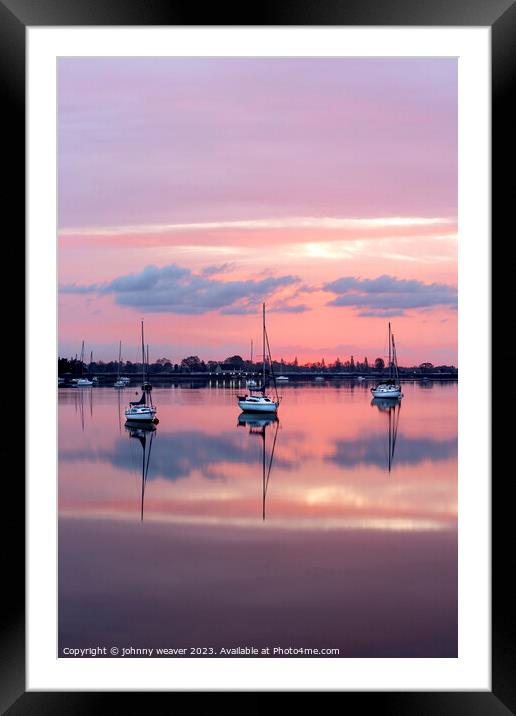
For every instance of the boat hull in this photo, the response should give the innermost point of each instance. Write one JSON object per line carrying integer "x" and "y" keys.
{"x": 252, "y": 407}
{"x": 387, "y": 391}
{"x": 140, "y": 415}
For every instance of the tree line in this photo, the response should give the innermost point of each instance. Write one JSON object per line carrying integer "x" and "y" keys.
{"x": 193, "y": 364}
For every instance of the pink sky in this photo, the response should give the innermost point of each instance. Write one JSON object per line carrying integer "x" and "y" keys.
{"x": 326, "y": 187}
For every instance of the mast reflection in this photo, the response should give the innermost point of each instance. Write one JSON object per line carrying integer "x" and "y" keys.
{"x": 258, "y": 426}
{"x": 79, "y": 404}
{"x": 144, "y": 433}
{"x": 392, "y": 408}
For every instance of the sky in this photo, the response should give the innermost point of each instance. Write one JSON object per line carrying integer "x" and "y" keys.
{"x": 192, "y": 189}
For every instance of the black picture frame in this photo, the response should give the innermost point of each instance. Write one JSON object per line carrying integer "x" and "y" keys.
{"x": 500, "y": 16}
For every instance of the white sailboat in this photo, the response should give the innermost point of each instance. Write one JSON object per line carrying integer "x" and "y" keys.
{"x": 256, "y": 401}
{"x": 119, "y": 383}
{"x": 82, "y": 382}
{"x": 391, "y": 388}
{"x": 142, "y": 410}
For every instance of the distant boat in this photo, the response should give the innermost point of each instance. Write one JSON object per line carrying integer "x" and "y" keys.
{"x": 282, "y": 378}
{"x": 142, "y": 410}
{"x": 319, "y": 378}
{"x": 253, "y": 402}
{"x": 251, "y": 383}
{"x": 119, "y": 383}
{"x": 360, "y": 378}
{"x": 391, "y": 388}
{"x": 82, "y": 382}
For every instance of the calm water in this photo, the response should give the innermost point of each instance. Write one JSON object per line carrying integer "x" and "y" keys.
{"x": 334, "y": 527}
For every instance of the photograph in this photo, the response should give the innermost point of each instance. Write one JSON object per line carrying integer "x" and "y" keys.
{"x": 258, "y": 364}
{"x": 259, "y": 302}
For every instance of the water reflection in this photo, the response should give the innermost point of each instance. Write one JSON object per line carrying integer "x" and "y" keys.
{"x": 393, "y": 409}
{"x": 144, "y": 433}
{"x": 299, "y": 538}
{"x": 81, "y": 397}
{"x": 258, "y": 426}
{"x": 329, "y": 465}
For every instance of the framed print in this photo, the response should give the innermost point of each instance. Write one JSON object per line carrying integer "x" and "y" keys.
{"x": 261, "y": 251}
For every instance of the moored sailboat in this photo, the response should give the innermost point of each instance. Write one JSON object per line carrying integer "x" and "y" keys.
{"x": 251, "y": 383}
{"x": 82, "y": 382}
{"x": 119, "y": 383}
{"x": 142, "y": 410}
{"x": 256, "y": 401}
{"x": 390, "y": 388}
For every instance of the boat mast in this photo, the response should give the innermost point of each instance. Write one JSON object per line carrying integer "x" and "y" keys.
{"x": 251, "y": 351}
{"x": 82, "y": 359}
{"x": 390, "y": 360}
{"x": 119, "y": 359}
{"x": 263, "y": 332}
{"x": 143, "y": 359}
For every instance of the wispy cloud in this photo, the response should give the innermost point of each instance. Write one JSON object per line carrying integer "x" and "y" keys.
{"x": 292, "y": 222}
{"x": 388, "y": 295}
{"x": 173, "y": 289}
{"x": 226, "y": 267}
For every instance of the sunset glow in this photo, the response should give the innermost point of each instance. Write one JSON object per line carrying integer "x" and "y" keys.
{"x": 191, "y": 190}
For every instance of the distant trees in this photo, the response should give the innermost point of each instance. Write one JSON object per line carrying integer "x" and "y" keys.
{"x": 193, "y": 364}
{"x": 234, "y": 363}
{"x": 72, "y": 367}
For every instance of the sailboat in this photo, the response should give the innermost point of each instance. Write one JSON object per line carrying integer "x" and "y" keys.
{"x": 119, "y": 382}
{"x": 82, "y": 382}
{"x": 258, "y": 426}
{"x": 142, "y": 410}
{"x": 256, "y": 401}
{"x": 145, "y": 435}
{"x": 391, "y": 388}
{"x": 392, "y": 408}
